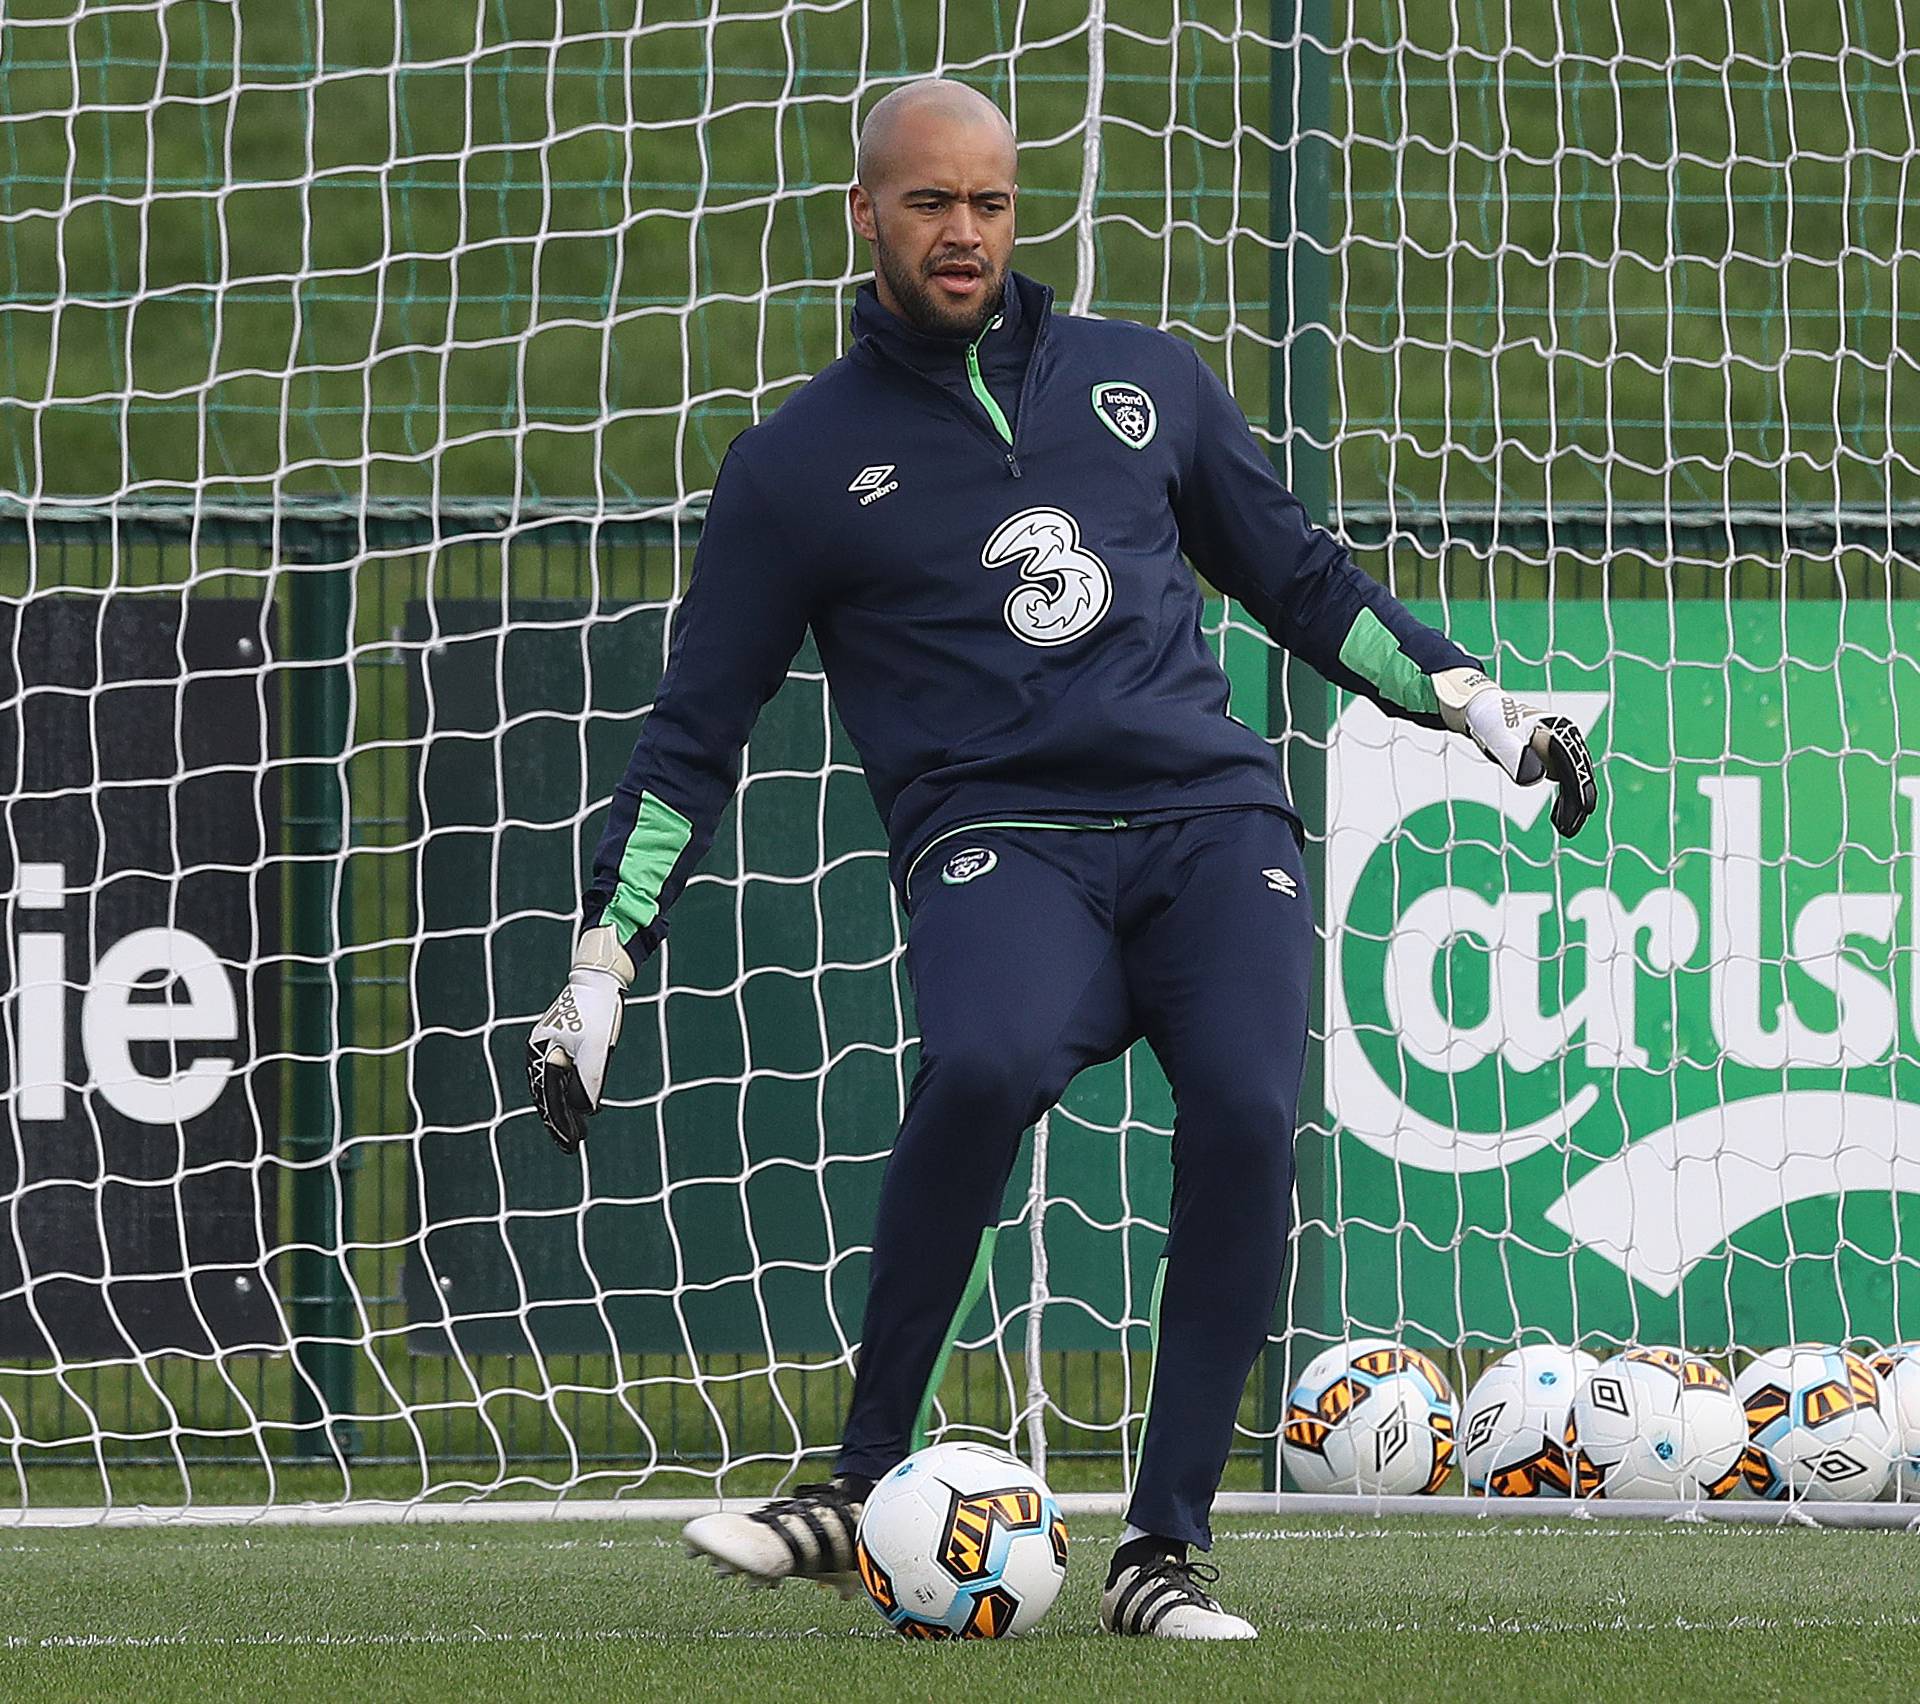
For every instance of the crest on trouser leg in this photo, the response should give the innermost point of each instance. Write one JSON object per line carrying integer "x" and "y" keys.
{"x": 964, "y": 866}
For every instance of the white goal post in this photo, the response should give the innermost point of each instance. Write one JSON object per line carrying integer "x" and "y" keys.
{"x": 367, "y": 367}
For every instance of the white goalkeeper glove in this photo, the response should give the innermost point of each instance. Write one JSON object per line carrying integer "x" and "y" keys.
{"x": 1528, "y": 744}
{"x": 567, "y": 1052}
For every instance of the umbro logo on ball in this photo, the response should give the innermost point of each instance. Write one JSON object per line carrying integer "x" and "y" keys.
{"x": 1607, "y": 1394}
{"x": 1480, "y": 1428}
{"x": 1390, "y": 1440}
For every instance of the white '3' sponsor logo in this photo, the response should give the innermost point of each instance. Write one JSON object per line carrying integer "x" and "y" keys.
{"x": 1064, "y": 588}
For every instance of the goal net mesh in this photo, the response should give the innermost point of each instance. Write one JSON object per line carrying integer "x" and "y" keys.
{"x": 366, "y": 368}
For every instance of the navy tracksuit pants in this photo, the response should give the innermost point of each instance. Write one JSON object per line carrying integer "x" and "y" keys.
{"x": 1034, "y": 953}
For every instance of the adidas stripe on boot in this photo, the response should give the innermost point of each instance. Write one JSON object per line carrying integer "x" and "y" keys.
{"x": 808, "y": 1536}
{"x": 1161, "y": 1598}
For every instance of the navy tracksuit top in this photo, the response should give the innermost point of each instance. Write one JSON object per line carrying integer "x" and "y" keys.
{"x": 986, "y": 539}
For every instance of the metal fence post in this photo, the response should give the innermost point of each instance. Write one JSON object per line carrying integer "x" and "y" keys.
{"x": 318, "y": 823}
{"x": 1298, "y": 418}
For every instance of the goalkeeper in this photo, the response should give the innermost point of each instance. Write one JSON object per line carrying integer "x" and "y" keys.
{"x": 981, "y": 512}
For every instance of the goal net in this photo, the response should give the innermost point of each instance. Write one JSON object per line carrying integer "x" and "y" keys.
{"x": 367, "y": 367}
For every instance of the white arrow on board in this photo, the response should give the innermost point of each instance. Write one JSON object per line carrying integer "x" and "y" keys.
{"x": 1662, "y": 1205}
{"x": 1379, "y": 772}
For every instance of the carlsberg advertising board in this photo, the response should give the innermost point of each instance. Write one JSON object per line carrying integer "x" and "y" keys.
{"x": 1663, "y": 1081}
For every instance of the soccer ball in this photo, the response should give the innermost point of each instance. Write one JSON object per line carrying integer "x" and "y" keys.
{"x": 1899, "y": 1370}
{"x": 1512, "y": 1437}
{"x": 1655, "y": 1423}
{"x": 1818, "y": 1426}
{"x": 962, "y": 1541}
{"x": 1373, "y": 1417}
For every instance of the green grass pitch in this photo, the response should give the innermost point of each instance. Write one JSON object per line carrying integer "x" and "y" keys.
{"x": 1349, "y": 1609}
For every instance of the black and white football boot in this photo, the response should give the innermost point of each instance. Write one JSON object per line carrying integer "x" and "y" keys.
{"x": 808, "y": 1536}
{"x": 1161, "y": 1598}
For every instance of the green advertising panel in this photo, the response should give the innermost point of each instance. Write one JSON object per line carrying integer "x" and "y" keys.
{"x": 1662, "y": 1081}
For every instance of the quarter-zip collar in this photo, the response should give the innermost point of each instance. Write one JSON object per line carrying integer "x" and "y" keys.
{"x": 985, "y": 375}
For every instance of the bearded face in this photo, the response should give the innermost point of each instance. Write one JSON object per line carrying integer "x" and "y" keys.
{"x": 952, "y": 292}
{"x": 936, "y": 201}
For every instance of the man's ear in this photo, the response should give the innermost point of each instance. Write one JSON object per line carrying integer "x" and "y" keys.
{"x": 860, "y": 210}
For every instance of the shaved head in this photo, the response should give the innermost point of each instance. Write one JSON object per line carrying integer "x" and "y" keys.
{"x": 936, "y": 101}
{"x": 934, "y": 196}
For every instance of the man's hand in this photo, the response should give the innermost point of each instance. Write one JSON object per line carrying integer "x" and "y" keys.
{"x": 568, "y": 1050}
{"x": 1527, "y": 744}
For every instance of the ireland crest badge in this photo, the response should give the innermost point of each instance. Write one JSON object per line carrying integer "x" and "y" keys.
{"x": 1128, "y": 412}
{"x": 962, "y": 867}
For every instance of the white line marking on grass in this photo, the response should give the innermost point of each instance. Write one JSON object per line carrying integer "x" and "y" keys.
{"x": 1583, "y": 1531}
{"x": 1268, "y": 1504}
{"x": 214, "y": 1542}
{"x": 1498, "y": 1626}
{"x": 455, "y": 1636}
{"x": 1553, "y": 1626}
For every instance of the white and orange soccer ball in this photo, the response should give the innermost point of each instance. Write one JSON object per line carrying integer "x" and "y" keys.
{"x": 962, "y": 1541}
{"x": 1656, "y": 1423}
{"x": 1899, "y": 1370}
{"x": 1513, "y": 1424}
{"x": 1371, "y": 1417}
{"x": 1817, "y": 1426}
